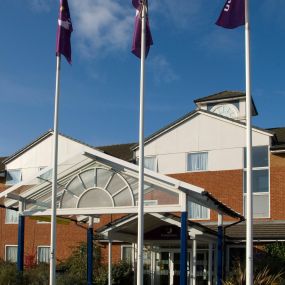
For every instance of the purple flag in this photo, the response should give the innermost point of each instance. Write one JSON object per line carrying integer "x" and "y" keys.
{"x": 64, "y": 31}
{"x": 232, "y": 15}
{"x": 136, "y": 46}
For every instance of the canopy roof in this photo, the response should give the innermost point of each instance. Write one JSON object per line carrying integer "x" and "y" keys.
{"x": 159, "y": 229}
{"x": 92, "y": 183}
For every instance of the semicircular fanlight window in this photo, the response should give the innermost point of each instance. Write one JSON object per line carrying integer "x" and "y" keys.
{"x": 97, "y": 187}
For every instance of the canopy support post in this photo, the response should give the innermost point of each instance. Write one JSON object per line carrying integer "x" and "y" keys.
{"x": 90, "y": 252}
{"x": 110, "y": 262}
{"x": 21, "y": 239}
{"x": 183, "y": 248}
{"x": 220, "y": 249}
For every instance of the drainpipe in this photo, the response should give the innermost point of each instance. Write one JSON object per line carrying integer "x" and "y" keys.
{"x": 224, "y": 241}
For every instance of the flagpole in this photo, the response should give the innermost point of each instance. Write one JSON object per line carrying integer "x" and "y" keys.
{"x": 249, "y": 201}
{"x": 52, "y": 280}
{"x": 141, "y": 154}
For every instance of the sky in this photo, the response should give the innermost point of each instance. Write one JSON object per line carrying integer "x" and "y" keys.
{"x": 99, "y": 100}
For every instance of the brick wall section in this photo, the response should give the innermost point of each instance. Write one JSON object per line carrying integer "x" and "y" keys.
{"x": 277, "y": 186}
{"x": 226, "y": 186}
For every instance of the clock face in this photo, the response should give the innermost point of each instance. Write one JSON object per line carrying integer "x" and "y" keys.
{"x": 227, "y": 110}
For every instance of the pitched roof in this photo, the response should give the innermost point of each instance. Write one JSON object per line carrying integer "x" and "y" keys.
{"x": 262, "y": 230}
{"x": 186, "y": 117}
{"x": 122, "y": 151}
{"x": 2, "y": 165}
{"x": 278, "y": 141}
{"x": 225, "y": 95}
{"x": 221, "y": 96}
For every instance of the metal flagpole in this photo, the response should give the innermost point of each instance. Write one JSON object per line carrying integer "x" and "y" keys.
{"x": 249, "y": 203}
{"x": 141, "y": 154}
{"x": 52, "y": 280}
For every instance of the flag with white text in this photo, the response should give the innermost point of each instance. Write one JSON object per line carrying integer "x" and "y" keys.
{"x": 64, "y": 31}
{"x": 232, "y": 15}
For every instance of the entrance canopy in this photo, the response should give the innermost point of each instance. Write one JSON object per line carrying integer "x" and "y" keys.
{"x": 93, "y": 183}
{"x": 159, "y": 230}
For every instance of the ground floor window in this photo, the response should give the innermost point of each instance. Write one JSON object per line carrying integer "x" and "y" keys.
{"x": 11, "y": 252}
{"x": 43, "y": 254}
{"x": 127, "y": 253}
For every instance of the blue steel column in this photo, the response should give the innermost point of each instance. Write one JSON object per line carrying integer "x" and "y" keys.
{"x": 220, "y": 250}
{"x": 90, "y": 252}
{"x": 21, "y": 238}
{"x": 183, "y": 249}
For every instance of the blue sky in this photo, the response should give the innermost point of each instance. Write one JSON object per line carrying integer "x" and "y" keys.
{"x": 99, "y": 102}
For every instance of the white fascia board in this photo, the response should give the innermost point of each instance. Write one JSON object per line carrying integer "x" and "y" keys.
{"x": 278, "y": 151}
{"x": 234, "y": 123}
{"x": 101, "y": 211}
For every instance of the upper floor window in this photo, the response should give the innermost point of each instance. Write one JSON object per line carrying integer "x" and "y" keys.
{"x": 260, "y": 182}
{"x": 13, "y": 176}
{"x": 150, "y": 162}
{"x": 198, "y": 212}
{"x": 11, "y": 217}
{"x": 197, "y": 161}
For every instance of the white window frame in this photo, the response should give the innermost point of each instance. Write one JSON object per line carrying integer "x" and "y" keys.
{"x": 127, "y": 246}
{"x": 10, "y": 245}
{"x": 196, "y": 152}
{"x": 201, "y": 219}
{"x": 8, "y": 222}
{"x": 258, "y": 193}
{"x": 155, "y": 162}
{"x": 38, "y": 247}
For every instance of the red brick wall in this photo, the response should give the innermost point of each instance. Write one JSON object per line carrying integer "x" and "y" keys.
{"x": 68, "y": 237}
{"x": 226, "y": 186}
{"x": 277, "y": 186}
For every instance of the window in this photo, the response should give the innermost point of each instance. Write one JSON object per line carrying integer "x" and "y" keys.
{"x": 197, "y": 161}
{"x": 198, "y": 212}
{"x": 150, "y": 162}
{"x": 43, "y": 254}
{"x": 260, "y": 182}
{"x": 11, "y": 217}
{"x": 13, "y": 176}
{"x": 11, "y": 253}
{"x": 127, "y": 253}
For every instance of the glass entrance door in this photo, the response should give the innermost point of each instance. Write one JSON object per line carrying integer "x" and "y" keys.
{"x": 162, "y": 268}
{"x": 202, "y": 267}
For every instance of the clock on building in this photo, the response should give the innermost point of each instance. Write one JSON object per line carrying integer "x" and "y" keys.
{"x": 227, "y": 110}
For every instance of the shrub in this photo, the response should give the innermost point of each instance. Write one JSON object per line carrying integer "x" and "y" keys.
{"x": 261, "y": 276}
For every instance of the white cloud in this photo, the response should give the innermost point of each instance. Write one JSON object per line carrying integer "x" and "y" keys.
{"x": 162, "y": 70}
{"x": 102, "y": 25}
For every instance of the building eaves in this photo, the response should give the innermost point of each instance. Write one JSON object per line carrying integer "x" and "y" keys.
{"x": 221, "y": 95}
{"x": 27, "y": 147}
{"x": 122, "y": 151}
{"x": 186, "y": 117}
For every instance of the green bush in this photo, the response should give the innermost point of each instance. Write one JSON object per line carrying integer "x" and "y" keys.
{"x": 71, "y": 271}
